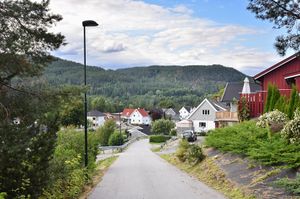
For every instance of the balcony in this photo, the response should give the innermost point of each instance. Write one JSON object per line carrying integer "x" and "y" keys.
{"x": 227, "y": 116}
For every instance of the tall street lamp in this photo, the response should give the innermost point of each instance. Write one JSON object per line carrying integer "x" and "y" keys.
{"x": 86, "y": 23}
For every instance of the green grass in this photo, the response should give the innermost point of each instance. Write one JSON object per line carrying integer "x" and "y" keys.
{"x": 252, "y": 141}
{"x": 208, "y": 172}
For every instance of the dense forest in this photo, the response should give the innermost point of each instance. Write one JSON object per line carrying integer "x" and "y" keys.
{"x": 152, "y": 86}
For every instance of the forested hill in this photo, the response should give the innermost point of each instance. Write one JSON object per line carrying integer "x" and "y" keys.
{"x": 146, "y": 85}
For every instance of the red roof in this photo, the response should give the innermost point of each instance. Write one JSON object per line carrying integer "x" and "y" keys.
{"x": 279, "y": 64}
{"x": 142, "y": 112}
{"x": 127, "y": 112}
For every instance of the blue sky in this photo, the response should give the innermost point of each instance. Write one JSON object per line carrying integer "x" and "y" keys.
{"x": 164, "y": 32}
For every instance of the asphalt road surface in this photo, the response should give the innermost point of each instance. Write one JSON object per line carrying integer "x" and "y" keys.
{"x": 141, "y": 174}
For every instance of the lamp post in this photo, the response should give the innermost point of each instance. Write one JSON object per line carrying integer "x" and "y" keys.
{"x": 86, "y": 23}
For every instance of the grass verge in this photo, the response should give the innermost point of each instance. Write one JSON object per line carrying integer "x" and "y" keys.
{"x": 102, "y": 167}
{"x": 209, "y": 173}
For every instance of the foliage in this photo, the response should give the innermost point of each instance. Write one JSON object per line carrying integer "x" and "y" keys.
{"x": 162, "y": 126}
{"x": 272, "y": 97}
{"x": 291, "y": 185}
{"x": 116, "y": 139}
{"x": 243, "y": 110}
{"x": 291, "y": 130}
{"x": 72, "y": 113}
{"x": 25, "y": 38}
{"x": 284, "y": 14}
{"x": 272, "y": 118}
{"x": 159, "y": 138}
{"x": 2, "y": 195}
{"x": 67, "y": 172}
{"x": 173, "y": 132}
{"x": 293, "y": 103}
{"x": 100, "y": 103}
{"x": 190, "y": 152}
{"x": 156, "y": 114}
{"x": 121, "y": 88}
{"x": 250, "y": 140}
{"x": 106, "y": 131}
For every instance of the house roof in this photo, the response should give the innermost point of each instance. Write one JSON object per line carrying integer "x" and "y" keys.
{"x": 188, "y": 108}
{"x": 274, "y": 67}
{"x": 233, "y": 89}
{"x": 127, "y": 112}
{"x": 95, "y": 113}
{"x": 142, "y": 112}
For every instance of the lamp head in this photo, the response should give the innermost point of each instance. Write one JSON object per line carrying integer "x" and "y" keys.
{"x": 89, "y": 23}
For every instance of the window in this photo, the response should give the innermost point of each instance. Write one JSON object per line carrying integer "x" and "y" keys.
{"x": 202, "y": 124}
{"x": 205, "y": 112}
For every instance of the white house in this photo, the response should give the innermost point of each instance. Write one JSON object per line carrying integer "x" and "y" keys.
{"x": 185, "y": 111}
{"x": 96, "y": 118}
{"x": 204, "y": 116}
{"x": 140, "y": 116}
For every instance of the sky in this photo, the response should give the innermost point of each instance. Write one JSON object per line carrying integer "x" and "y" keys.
{"x": 166, "y": 32}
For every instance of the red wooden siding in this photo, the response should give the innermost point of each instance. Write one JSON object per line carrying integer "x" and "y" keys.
{"x": 278, "y": 75}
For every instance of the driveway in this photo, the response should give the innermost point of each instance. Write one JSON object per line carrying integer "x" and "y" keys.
{"x": 139, "y": 173}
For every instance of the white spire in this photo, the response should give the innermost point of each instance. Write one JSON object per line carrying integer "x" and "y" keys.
{"x": 246, "y": 87}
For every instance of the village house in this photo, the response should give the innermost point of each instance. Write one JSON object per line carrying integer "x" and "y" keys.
{"x": 136, "y": 116}
{"x": 96, "y": 118}
{"x": 283, "y": 74}
{"x": 185, "y": 111}
{"x": 171, "y": 113}
{"x": 204, "y": 116}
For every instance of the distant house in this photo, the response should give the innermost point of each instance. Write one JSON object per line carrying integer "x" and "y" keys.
{"x": 171, "y": 114}
{"x": 204, "y": 116}
{"x": 125, "y": 116}
{"x": 96, "y": 118}
{"x": 136, "y": 116}
{"x": 185, "y": 111}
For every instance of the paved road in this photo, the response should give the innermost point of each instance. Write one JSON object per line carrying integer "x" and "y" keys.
{"x": 140, "y": 174}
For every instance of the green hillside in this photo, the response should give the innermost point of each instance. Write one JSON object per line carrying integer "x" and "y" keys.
{"x": 146, "y": 86}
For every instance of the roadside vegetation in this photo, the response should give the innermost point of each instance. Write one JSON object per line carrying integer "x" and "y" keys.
{"x": 206, "y": 171}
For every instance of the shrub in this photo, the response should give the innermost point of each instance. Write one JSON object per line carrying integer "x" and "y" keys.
{"x": 291, "y": 185}
{"x": 291, "y": 130}
{"x": 116, "y": 139}
{"x": 2, "y": 195}
{"x": 159, "y": 138}
{"x": 173, "y": 132}
{"x": 250, "y": 140}
{"x": 182, "y": 150}
{"x": 105, "y": 132}
{"x": 274, "y": 119}
{"x": 243, "y": 110}
{"x": 192, "y": 153}
{"x": 162, "y": 126}
{"x": 67, "y": 172}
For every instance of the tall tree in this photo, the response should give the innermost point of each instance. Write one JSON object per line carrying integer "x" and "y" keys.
{"x": 284, "y": 14}
{"x": 28, "y": 115}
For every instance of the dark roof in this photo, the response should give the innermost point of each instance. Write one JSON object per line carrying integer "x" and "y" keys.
{"x": 95, "y": 113}
{"x": 279, "y": 64}
{"x": 233, "y": 90}
{"x": 217, "y": 105}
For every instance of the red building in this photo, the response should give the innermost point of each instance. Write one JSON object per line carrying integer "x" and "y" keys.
{"x": 283, "y": 74}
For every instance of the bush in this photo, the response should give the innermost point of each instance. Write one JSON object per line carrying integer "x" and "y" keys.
{"x": 68, "y": 174}
{"x": 106, "y": 131}
{"x": 162, "y": 126}
{"x": 272, "y": 119}
{"x": 291, "y": 131}
{"x": 291, "y": 185}
{"x": 116, "y": 139}
{"x": 248, "y": 139}
{"x": 192, "y": 153}
{"x": 2, "y": 195}
{"x": 159, "y": 138}
{"x": 173, "y": 132}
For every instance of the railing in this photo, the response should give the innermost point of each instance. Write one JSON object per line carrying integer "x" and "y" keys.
{"x": 227, "y": 116}
{"x": 103, "y": 149}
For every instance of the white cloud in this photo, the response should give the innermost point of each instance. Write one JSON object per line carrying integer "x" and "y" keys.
{"x": 136, "y": 33}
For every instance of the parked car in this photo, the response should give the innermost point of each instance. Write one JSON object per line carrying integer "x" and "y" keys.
{"x": 190, "y": 136}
